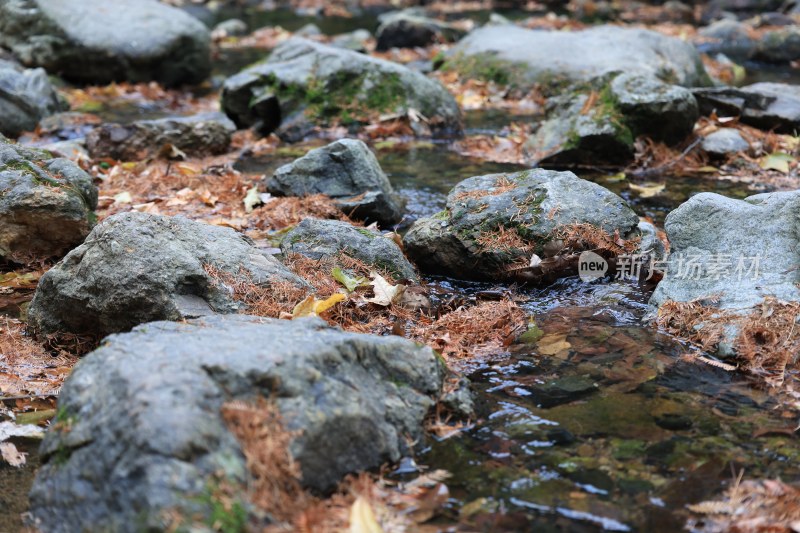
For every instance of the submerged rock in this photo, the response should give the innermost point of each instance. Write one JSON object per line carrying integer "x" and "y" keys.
{"x": 324, "y": 84}
{"x": 26, "y": 97}
{"x": 764, "y": 105}
{"x": 141, "y": 434}
{"x": 409, "y": 29}
{"x": 95, "y": 41}
{"x": 135, "y": 268}
{"x": 202, "y": 134}
{"x": 329, "y": 238}
{"x": 46, "y": 203}
{"x": 510, "y": 54}
{"x": 493, "y": 224}
{"x": 348, "y": 172}
{"x": 724, "y": 142}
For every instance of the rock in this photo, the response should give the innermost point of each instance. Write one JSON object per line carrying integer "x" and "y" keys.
{"x": 763, "y": 105}
{"x": 349, "y": 173}
{"x": 330, "y": 85}
{"x": 68, "y": 125}
{"x": 309, "y": 30}
{"x": 716, "y": 233}
{"x": 74, "y": 150}
{"x": 229, "y": 28}
{"x": 780, "y": 46}
{"x": 329, "y": 238}
{"x": 496, "y": 222}
{"x": 134, "y": 444}
{"x": 724, "y": 142}
{"x": 202, "y": 135}
{"x": 94, "y": 41}
{"x": 356, "y": 40}
{"x": 729, "y": 37}
{"x": 510, "y": 54}
{"x": 409, "y": 29}
{"x": 599, "y": 121}
{"x": 26, "y": 97}
{"x": 46, "y": 203}
{"x": 135, "y": 268}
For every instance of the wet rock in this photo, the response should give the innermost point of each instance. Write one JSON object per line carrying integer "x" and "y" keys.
{"x": 562, "y": 390}
{"x": 135, "y": 268}
{"x": 329, "y": 238}
{"x": 348, "y": 172}
{"x": 328, "y": 85}
{"x": 46, "y": 203}
{"x": 558, "y": 58}
{"x": 68, "y": 125}
{"x": 729, "y": 37}
{"x": 763, "y": 105}
{"x": 229, "y": 28}
{"x": 780, "y": 46}
{"x": 724, "y": 142}
{"x": 599, "y": 121}
{"x": 26, "y": 97}
{"x": 202, "y": 134}
{"x": 409, "y": 29}
{"x": 356, "y": 40}
{"x": 741, "y": 251}
{"x": 496, "y": 222}
{"x": 94, "y": 41}
{"x": 133, "y": 444}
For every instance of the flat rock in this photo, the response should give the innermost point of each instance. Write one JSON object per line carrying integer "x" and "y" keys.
{"x": 95, "y": 41}
{"x": 348, "y": 172}
{"x": 724, "y": 142}
{"x": 329, "y": 238}
{"x": 26, "y": 97}
{"x": 325, "y": 84}
{"x": 764, "y": 105}
{"x": 202, "y": 134}
{"x": 135, "y": 268}
{"x": 46, "y": 203}
{"x": 558, "y": 58}
{"x": 140, "y": 431}
{"x": 495, "y": 222}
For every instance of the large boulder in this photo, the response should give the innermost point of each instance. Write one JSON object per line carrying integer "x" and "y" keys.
{"x": 141, "y": 437}
{"x": 202, "y": 134}
{"x": 410, "y": 28}
{"x": 319, "y": 239}
{"x": 348, "y": 172}
{"x": 765, "y": 105}
{"x": 46, "y": 203}
{"x": 94, "y": 41}
{"x": 493, "y": 225}
{"x": 135, "y": 268}
{"x": 326, "y": 84}
{"x": 558, "y": 58}
{"x": 26, "y": 97}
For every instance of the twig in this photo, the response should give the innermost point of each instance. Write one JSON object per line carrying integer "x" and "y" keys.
{"x": 648, "y": 172}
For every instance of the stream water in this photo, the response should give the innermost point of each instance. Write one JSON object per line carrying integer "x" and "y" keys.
{"x": 604, "y": 427}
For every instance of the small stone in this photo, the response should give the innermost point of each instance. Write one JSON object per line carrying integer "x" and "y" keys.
{"x": 724, "y": 142}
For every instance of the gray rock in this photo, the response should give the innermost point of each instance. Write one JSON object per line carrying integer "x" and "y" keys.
{"x": 716, "y": 233}
{"x": 349, "y": 173}
{"x": 355, "y": 40}
{"x": 409, "y": 29}
{"x": 74, "y": 150}
{"x": 135, "y": 268}
{"x": 724, "y": 142}
{"x": 729, "y": 37}
{"x": 229, "y": 28}
{"x": 763, "y": 105}
{"x": 556, "y": 58}
{"x": 46, "y": 203}
{"x": 309, "y": 30}
{"x": 533, "y": 204}
{"x": 780, "y": 46}
{"x": 329, "y": 238}
{"x": 202, "y": 134}
{"x": 327, "y": 84}
{"x": 145, "y": 435}
{"x": 95, "y": 41}
{"x": 26, "y": 97}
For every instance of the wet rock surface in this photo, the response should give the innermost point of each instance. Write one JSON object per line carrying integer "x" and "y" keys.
{"x": 765, "y": 105}
{"x": 493, "y": 222}
{"x": 348, "y": 172}
{"x": 318, "y": 83}
{"x": 135, "y": 268}
{"x": 318, "y": 239}
{"x": 110, "y": 464}
{"x": 86, "y": 41}
{"x": 26, "y": 97}
{"x": 202, "y": 134}
{"x": 46, "y": 203}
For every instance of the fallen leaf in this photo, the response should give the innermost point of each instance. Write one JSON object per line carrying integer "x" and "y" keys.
{"x": 362, "y": 519}
{"x": 252, "y": 199}
{"x": 123, "y": 198}
{"x": 648, "y": 190}
{"x": 777, "y": 161}
{"x": 11, "y": 455}
{"x": 313, "y": 307}
{"x": 553, "y": 344}
{"x": 350, "y": 283}
{"x": 385, "y": 292}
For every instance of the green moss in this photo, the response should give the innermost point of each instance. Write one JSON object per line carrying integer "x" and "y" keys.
{"x": 442, "y": 215}
{"x": 608, "y": 109}
{"x": 485, "y": 67}
{"x": 365, "y": 232}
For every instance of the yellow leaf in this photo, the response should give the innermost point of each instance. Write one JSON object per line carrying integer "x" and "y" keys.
{"x": 324, "y": 305}
{"x": 362, "y": 519}
{"x": 553, "y": 344}
{"x": 648, "y": 190}
{"x": 312, "y": 307}
{"x": 185, "y": 169}
{"x": 123, "y": 198}
{"x": 777, "y": 161}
